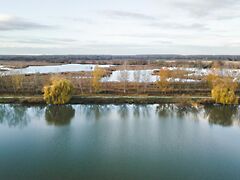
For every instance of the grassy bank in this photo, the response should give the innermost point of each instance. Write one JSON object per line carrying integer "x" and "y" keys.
{"x": 111, "y": 99}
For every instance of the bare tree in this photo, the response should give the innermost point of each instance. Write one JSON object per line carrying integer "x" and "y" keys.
{"x": 136, "y": 76}
{"x": 145, "y": 79}
{"x": 17, "y": 81}
{"x": 123, "y": 77}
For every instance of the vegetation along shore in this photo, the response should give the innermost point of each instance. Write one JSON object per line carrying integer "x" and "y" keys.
{"x": 119, "y": 81}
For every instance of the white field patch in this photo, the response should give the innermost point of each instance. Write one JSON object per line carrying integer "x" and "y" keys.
{"x": 148, "y": 75}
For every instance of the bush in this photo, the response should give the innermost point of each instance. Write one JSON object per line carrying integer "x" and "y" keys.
{"x": 58, "y": 92}
{"x": 224, "y": 95}
{"x": 223, "y": 90}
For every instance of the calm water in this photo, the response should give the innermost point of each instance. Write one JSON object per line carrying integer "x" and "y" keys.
{"x": 119, "y": 142}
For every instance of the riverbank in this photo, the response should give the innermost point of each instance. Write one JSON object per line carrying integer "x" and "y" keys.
{"x": 97, "y": 99}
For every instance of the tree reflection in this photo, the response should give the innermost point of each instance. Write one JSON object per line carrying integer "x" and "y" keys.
{"x": 141, "y": 111}
{"x": 178, "y": 110}
{"x": 59, "y": 115}
{"x": 222, "y": 115}
{"x": 184, "y": 110}
{"x": 95, "y": 111}
{"x": 123, "y": 111}
{"x": 136, "y": 111}
{"x": 165, "y": 110}
{"x": 14, "y": 115}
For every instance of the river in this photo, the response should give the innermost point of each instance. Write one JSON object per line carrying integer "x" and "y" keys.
{"x": 119, "y": 142}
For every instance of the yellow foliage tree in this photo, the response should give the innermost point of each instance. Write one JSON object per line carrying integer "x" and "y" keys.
{"x": 97, "y": 74}
{"x": 223, "y": 89}
{"x": 224, "y": 95}
{"x": 58, "y": 92}
{"x": 164, "y": 75}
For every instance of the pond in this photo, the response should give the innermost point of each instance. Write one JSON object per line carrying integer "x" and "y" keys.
{"x": 119, "y": 142}
{"x": 55, "y": 69}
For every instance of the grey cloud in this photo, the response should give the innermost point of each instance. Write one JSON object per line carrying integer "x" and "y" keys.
{"x": 151, "y": 35}
{"x": 125, "y": 14}
{"x": 203, "y": 7}
{"x": 15, "y": 23}
{"x": 46, "y": 40}
{"x": 120, "y": 49}
{"x": 40, "y": 40}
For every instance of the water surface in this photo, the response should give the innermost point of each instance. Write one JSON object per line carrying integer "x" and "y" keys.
{"x": 119, "y": 142}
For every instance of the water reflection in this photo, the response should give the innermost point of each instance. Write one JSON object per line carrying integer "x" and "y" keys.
{"x": 165, "y": 110}
{"x": 95, "y": 111}
{"x": 180, "y": 111}
{"x": 123, "y": 111}
{"x": 142, "y": 111}
{"x": 222, "y": 115}
{"x": 59, "y": 115}
{"x": 215, "y": 114}
{"x": 21, "y": 116}
{"x": 14, "y": 115}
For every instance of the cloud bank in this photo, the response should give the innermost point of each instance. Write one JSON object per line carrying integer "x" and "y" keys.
{"x": 9, "y": 23}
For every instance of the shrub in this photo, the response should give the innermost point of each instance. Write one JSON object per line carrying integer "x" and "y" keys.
{"x": 58, "y": 92}
{"x": 223, "y": 89}
{"x": 224, "y": 95}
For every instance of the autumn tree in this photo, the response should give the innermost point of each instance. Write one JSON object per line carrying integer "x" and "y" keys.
{"x": 97, "y": 74}
{"x": 59, "y": 91}
{"x": 223, "y": 89}
{"x": 164, "y": 75}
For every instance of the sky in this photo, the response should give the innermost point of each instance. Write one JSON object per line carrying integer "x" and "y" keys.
{"x": 120, "y": 27}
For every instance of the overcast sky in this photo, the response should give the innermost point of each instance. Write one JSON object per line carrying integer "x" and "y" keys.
{"x": 120, "y": 27}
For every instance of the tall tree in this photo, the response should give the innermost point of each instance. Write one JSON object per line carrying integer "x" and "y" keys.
{"x": 123, "y": 77}
{"x": 97, "y": 74}
{"x": 164, "y": 76}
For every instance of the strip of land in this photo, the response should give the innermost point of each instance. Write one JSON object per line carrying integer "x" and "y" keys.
{"x": 111, "y": 99}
